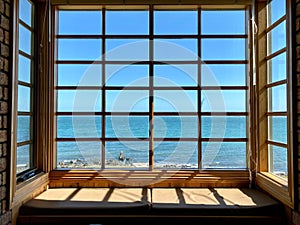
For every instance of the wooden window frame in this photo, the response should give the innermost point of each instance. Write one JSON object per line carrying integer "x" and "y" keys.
{"x": 34, "y": 180}
{"x": 64, "y": 177}
{"x": 279, "y": 188}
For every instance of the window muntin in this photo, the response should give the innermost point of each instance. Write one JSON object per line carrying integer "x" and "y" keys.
{"x": 277, "y": 89}
{"x": 168, "y": 69}
{"x": 25, "y": 157}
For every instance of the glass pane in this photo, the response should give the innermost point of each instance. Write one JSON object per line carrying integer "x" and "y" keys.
{"x": 277, "y": 68}
{"x": 276, "y": 10}
{"x": 277, "y": 38}
{"x": 175, "y": 49}
{"x": 79, "y": 49}
{"x": 223, "y": 101}
{"x": 23, "y": 158}
{"x": 79, "y": 154}
{"x": 24, "y": 129}
{"x": 223, "y": 49}
{"x": 25, "y": 40}
{"x": 175, "y": 101}
{"x": 79, "y": 126}
{"x": 232, "y": 22}
{"x": 127, "y": 22}
{"x": 24, "y": 99}
{"x": 223, "y": 127}
{"x": 278, "y": 129}
{"x": 25, "y": 11}
{"x": 79, "y": 75}
{"x": 127, "y": 127}
{"x": 127, "y": 154}
{"x": 127, "y": 75}
{"x": 176, "y": 155}
{"x": 175, "y": 22}
{"x": 223, "y": 75}
{"x": 127, "y": 49}
{"x": 80, "y": 100}
{"x": 224, "y": 155}
{"x": 24, "y": 69}
{"x": 79, "y": 22}
{"x": 175, "y": 75}
{"x": 278, "y": 159}
{"x": 176, "y": 127}
{"x": 127, "y": 101}
{"x": 278, "y": 97}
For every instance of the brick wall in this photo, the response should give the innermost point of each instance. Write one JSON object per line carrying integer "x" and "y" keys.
{"x": 5, "y": 214}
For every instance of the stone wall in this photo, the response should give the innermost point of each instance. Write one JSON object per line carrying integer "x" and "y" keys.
{"x": 5, "y": 214}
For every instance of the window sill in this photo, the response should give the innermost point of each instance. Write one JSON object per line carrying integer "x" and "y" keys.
{"x": 155, "y": 178}
{"x": 29, "y": 189}
{"x": 275, "y": 186}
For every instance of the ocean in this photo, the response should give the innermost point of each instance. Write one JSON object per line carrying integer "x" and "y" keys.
{"x": 179, "y": 153}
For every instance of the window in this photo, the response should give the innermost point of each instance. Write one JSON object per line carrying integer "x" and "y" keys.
{"x": 277, "y": 88}
{"x": 133, "y": 90}
{"x": 25, "y": 148}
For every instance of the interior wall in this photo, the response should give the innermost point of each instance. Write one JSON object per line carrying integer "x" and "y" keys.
{"x": 5, "y": 6}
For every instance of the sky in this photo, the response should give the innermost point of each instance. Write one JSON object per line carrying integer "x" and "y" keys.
{"x": 165, "y": 23}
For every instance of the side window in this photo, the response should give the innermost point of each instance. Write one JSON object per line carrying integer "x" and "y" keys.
{"x": 24, "y": 86}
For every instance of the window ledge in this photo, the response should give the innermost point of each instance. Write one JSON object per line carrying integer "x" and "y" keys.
{"x": 30, "y": 188}
{"x": 275, "y": 186}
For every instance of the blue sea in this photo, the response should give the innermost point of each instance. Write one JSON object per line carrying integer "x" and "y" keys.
{"x": 181, "y": 153}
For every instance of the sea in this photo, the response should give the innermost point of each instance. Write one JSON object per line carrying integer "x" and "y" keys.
{"x": 175, "y": 142}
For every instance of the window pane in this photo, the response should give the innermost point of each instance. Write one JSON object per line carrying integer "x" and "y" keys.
{"x": 80, "y": 100}
{"x": 79, "y": 49}
{"x": 127, "y": 101}
{"x": 79, "y": 126}
{"x": 175, "y": 101}
{"x": 79, "y": 75}
{"x": 127, "y": 22}
{"x": 176, "y": 126}
{"x": 176, "y": 155}
{"x": 223, "y": 75}
{"x": 127, "y": 154}
{"x": 24, "y": 69}
{"x": 277, "y": 38}
{"x": 78, "y": 154}
{"x": 276, "y": 10}
{"x": 223, "y": 49}
{"x": 175, "y": 49}
{"x": 226, "y": 155}
{"x": 223, "y": 101}
{"x": 278, "y": 160}
{"x": 223, "y": 22}
{"x": 79, "y": 22}
{"x": 277, "y": 68}
{"x": 278, "y": 129}
{"x": 224, "y": 127}
{"x": 175, "y": 75}
{"x": 127, "y": 49}
{"x": 23, "y": 130}
{"x": 24, "y": 99}
{"x": 23, "y": 158}
{"x": 127, "y": 127}
{"x": 127, "y": 75}
{"x": 25, "y": 40}
{"x": 278, "y": 97}
{"x": 25, "y": 11}
{"x": 186, "y": 22}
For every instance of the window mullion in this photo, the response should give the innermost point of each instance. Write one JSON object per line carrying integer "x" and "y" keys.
{"x": 199, "y": 94}
{"x": 151, "y": 91}
{"x": 103, "y": 144}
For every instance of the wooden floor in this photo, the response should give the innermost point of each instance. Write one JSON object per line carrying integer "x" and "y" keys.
{"x": 159, "y": 206}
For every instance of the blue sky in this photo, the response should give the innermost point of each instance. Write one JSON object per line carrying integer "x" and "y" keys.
{"x": 165, "y": 23}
